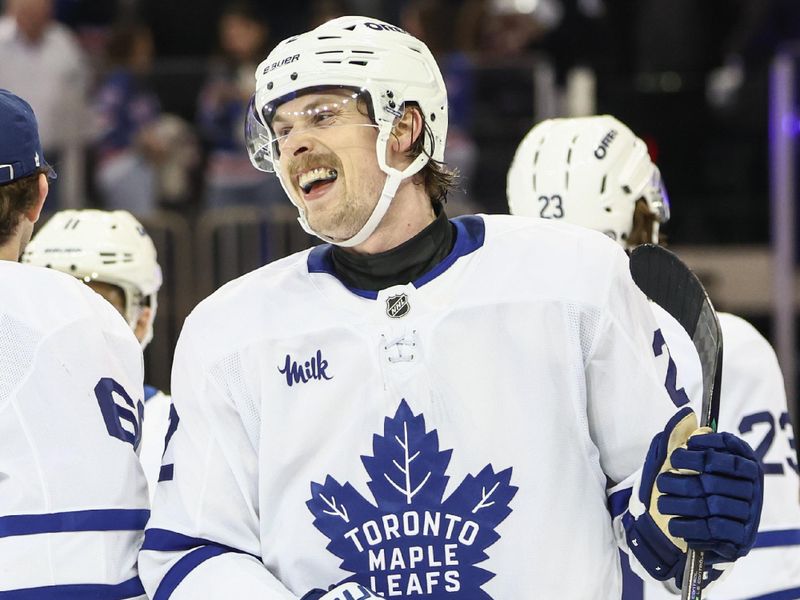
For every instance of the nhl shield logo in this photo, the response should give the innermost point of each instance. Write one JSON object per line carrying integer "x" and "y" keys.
{"x": 397, "y": 306}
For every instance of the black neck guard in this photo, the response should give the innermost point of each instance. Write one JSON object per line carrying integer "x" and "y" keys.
{"x": 400, "y": 265}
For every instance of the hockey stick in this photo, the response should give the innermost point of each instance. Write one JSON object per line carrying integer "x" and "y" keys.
{"x": 671, "y": 284}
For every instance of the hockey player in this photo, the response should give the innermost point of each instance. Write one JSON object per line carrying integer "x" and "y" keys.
{"x": 73, "y": 498}
{"x": 111, "y": 252}
{"x": 420, "y": 408}
{"x": 595, "y": 172}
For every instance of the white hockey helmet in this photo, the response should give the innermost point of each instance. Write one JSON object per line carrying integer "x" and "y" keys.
{"x": 107, "y": 246}
{"x": 589, "y": 171}
{"x": 381, "y": 63}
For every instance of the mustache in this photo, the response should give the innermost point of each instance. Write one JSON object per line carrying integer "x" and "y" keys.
{"x": 306, "y": 162}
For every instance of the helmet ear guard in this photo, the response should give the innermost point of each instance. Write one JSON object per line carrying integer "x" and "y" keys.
{"x": 106, "y": 246}
{"x": 657, "y": 198}
{"x": 386, "y": 66}
{"x": 589, "y": 171}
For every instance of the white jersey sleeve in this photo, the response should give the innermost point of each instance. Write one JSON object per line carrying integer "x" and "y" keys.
{"x": 73, "y": 499}
{"x": 203, "y": 544}
{"x": 753, "y": 406}
{"x": 623, "y": 381}
{"x": 626, "y": 386}
{"x": 155, "y": 425}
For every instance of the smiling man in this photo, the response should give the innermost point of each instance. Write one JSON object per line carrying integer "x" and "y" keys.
{"x": 330, "y": 159}
{"x": 421, "y": 408}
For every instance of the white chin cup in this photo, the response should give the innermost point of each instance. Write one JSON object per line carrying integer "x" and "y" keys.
{"x": 148, "y": 333}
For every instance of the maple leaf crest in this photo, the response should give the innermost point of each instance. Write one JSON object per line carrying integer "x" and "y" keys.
{"x": 412, "y": 541}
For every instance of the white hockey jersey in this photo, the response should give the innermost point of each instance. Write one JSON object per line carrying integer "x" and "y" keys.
{"x": 753, "y": 406}
{"x": 155, "y": 425}
{"x": 453, "y": 438}
{"x": 73, "y": 499}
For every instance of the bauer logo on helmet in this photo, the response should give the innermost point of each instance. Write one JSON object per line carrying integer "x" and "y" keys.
{"x": 280, "y": 63}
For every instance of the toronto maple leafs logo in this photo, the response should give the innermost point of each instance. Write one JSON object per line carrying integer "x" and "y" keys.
{"x": 412, "y": 542}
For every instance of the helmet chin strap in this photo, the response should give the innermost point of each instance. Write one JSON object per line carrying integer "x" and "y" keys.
{"x": 393, "y": 180}
{"x": 654, "y": 236}
{"x": 148, "y": 334}
{"x": 134, "y": 321}
{"x": 148, "y": 337}
{"x": 388, "y": 192}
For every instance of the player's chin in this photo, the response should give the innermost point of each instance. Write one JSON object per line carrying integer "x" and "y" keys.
{"x": 336, "y": 229}
{"x": 334, "y": 234}
{"x": 320, "y": 225}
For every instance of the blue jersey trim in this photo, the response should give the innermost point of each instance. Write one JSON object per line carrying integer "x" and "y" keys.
{"x": 320, "y": 261}
{"x": 149, "y": 392}
{"x": 81, "y": 520}
{"x": 618, "y": 502}
{"x": 128, "y": 589}
{"x": 470, "y": 235}
{"x": 183, "y": 567}
{"x": 770, "y": 539}
{"x": 632, "y": 585}
{"x": 163, "y": 540}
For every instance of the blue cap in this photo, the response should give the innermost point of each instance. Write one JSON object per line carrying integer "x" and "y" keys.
{"x": 20, "y": 149}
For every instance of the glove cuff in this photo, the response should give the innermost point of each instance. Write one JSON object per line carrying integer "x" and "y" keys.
{"x": 681, "y": 430}
{"x": 654, "y": 551}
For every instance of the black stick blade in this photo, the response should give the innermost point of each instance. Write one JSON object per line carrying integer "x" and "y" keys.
{"x": 669, "y": 283}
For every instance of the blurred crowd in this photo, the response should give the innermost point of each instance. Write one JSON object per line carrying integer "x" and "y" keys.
{"x": 141, "y": 102}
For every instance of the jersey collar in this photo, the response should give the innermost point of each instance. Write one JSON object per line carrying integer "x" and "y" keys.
{"x": 470, "y": 235}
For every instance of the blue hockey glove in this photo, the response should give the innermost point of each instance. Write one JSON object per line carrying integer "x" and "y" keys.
{"x": 717, "y": 510}
{"x": 698, "y": 489}
{"x": 346, "y": 591}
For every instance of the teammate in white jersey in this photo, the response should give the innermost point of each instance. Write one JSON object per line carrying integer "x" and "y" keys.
{"x": 73, "y": 498}
{"x": 420, "y": 408}
{"x": 595, "y": 172}
{"x": 112, "y": 253}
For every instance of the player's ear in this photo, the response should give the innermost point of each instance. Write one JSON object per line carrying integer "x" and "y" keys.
{"x": 143, "y": 322}
{"x": 32, "y": 214}
{"x": 406, "y": 131}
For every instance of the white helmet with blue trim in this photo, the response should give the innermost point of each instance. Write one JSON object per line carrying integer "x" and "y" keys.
{"x": 382, "y": 64}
